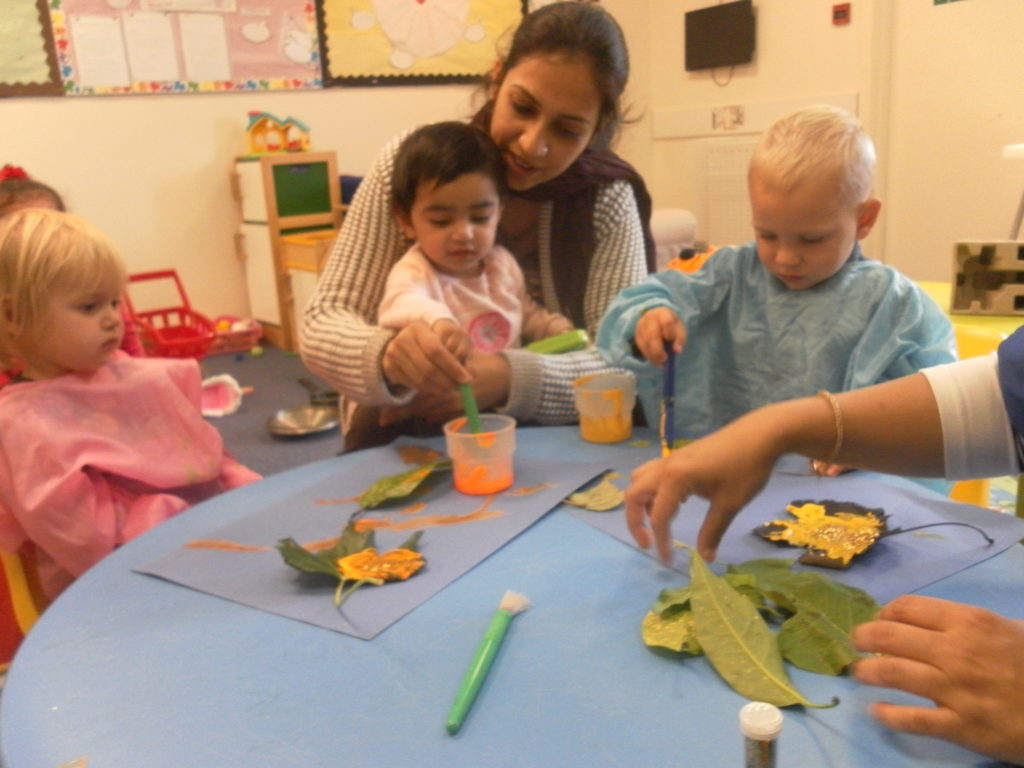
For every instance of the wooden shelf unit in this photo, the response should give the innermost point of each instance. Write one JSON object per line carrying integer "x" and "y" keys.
{"x": 280, "y": 195}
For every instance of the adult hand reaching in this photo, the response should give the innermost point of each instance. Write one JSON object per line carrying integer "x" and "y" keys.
{"x": 455, "y": 339}
{"x": 418, "y": 359}
{"x": 968, "y": 660}
{"x": 729, "y": 468}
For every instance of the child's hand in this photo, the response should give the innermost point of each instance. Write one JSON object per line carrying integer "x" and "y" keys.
{"x": 654, "y": 328}
{"x": 558, "y": 326}
{"x": 455, "y": 339}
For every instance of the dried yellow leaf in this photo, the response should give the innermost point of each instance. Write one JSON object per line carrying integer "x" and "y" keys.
{"x": 839, "y": 536}
{"x": 393, "y": 565}
{"x": 602, "y": 497}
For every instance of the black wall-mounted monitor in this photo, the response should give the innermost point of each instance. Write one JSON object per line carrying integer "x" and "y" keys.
{"x": 720, "y": 36}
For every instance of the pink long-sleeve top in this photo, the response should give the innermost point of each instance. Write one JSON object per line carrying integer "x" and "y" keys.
{"x": 492, "y": 307}
{"x": 89, "y": 461}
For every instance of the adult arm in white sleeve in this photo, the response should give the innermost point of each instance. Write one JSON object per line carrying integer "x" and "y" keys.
{"x": 977, "y": 439}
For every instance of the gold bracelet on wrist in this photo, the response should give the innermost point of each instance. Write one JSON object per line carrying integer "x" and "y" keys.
{"x": 837, "y": 415}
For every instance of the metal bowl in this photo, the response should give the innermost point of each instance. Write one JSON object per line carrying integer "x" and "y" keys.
{"x": 303, "y": 420}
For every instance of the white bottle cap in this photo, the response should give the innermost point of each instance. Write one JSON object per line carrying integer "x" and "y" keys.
{"x": 760, "y": 721}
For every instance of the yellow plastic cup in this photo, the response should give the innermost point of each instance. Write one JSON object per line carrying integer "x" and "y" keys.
{"x": 605, "y": 403}
{"x": 482, "y": 461}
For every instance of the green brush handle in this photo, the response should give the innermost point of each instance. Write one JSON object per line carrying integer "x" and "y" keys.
{"x": 474, "y": 677}
{"x": 570, "y": 341}
{"x": 469, "y": 405}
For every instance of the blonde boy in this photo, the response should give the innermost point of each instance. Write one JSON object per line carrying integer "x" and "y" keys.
{"x": 798, "y": 310}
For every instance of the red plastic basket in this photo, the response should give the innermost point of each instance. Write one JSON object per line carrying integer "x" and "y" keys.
{"x": 170, "y": 331}
{"x": 241, "y": 340}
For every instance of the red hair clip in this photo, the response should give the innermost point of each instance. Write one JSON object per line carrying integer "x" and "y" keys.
{"x": 12, "y": 172}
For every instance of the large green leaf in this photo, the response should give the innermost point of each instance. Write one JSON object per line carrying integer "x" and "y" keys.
{"x": 400, "y": 485}
{"x": 789, "y": 590}
{"x": 817, "y": 637}
{"x": 761, "y": 567}
{"x": 746, "y": 584}
{"x": 740, "y": 646}
{"x": 813, "y": 641}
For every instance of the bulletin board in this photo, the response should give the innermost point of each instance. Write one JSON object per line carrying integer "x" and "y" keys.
{"x": 383, "y": 42}
{"x": 180, "y": 46}
{"x": 28, "y": 57}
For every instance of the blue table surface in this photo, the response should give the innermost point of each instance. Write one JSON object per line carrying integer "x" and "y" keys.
{"x": 129, "y": 670}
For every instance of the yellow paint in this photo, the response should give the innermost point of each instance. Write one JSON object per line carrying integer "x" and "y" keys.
{"x": 609, "y": 430}
{"x": 604, "y": 428}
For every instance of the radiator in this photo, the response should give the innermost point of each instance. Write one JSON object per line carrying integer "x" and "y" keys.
{"x": 726, "y": 219}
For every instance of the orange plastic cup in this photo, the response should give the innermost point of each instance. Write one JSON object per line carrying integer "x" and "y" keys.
{"x": 605, "y": 403}
{"x": 482, "y": 461}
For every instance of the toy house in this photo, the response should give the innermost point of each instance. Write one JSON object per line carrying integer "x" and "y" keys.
{"x": 988, "y": 278}
{"x": 268, "y": 133}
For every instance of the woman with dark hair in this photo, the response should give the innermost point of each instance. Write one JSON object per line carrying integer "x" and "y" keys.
{"x": 577, "y": 221}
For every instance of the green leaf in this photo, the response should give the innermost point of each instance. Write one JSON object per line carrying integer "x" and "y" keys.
{"x": 737, "y": 642}
{"x": 298, "y": 557}
{"x": 400, "y": 485}
{"x": 763, "y": 567}
{"x": 412, "y": 543}
{"x": 819, "y": 590}
{"x": 811, "y": 640}
{"x": 325, "y": 560}
{"x": 817, "y": 637}
{"x": 670, "y": 598}
{"x": 600, "y": 498}
{"x": 673, "y": 630}
{"x": 350, "y": 542}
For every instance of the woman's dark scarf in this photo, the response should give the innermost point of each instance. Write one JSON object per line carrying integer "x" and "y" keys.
{"x": 574, "y": 195}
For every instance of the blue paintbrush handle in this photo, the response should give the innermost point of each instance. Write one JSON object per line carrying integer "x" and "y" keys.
{"x": 668, "y": 402}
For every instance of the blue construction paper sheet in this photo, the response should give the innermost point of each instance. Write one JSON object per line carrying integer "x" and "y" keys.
{"x": 894, "y": 566}
{"x": 262, "y": 580}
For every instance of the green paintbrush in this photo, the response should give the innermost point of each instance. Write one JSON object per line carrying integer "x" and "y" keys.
{"x": 469, "y": 405}
{"x": 511, "y": 604}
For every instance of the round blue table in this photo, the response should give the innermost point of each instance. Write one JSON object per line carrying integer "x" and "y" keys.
{"x": 128, "y": 670}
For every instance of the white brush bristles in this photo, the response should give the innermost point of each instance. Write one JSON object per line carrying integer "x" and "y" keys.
{"x": 514, "y": 603}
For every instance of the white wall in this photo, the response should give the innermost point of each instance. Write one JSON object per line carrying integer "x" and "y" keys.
{"x": 957, "y": 99}
{"x": 152, "y": 171}
{"x": 800, "y": 57}
{"x": 940, "y": 88}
